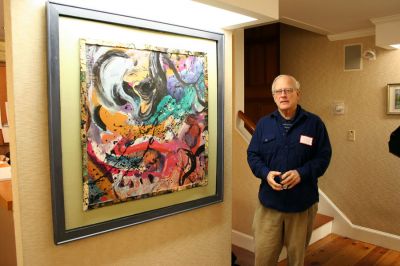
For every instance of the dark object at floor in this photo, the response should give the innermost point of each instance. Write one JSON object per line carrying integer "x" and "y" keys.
{"x": 234, "y": 259}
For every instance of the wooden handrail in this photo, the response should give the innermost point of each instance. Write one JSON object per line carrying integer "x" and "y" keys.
{"x": 248, "y": 123}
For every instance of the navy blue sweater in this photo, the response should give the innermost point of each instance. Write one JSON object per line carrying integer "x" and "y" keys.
{"x": 305, "y": 148}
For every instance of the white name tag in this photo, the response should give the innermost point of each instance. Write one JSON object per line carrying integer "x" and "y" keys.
{"x": 306, "y": 140}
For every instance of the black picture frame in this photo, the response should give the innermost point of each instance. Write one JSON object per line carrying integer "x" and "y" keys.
{"x": 62, "y": 234}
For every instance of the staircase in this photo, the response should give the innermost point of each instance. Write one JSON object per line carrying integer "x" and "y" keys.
{"x": 322, "y": 227}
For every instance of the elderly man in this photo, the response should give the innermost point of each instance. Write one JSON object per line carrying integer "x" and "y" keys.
{"x": 289, "y": 150}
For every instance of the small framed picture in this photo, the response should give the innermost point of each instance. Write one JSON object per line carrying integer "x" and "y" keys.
{"x": 393, "y": 102}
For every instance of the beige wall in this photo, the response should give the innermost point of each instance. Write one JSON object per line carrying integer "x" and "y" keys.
{"x": 363, "y": 178}
{"x": 244, "y": 188}
{"x": 2, "y": 51}
{"x": 199, "y": 237}
{"x": 244, "y": 184}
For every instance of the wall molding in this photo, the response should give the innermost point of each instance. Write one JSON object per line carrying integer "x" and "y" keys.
{"x": 351, "y": 34}
{"x": 303, "y": 25}
{"x": 387, "y": 19}
{"x": 242, "y": 131}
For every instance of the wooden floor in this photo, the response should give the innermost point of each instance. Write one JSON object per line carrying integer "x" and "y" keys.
{"x": 335, "y": 250}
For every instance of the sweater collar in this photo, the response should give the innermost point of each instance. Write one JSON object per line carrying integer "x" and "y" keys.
{"x": 300, "y": 112}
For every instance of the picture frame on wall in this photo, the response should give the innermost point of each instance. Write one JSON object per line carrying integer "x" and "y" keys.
{"x": 393, "y": 98}
{"x": 135, "y": 120}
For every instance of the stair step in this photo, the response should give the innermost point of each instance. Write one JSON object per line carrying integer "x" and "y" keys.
{"x": 321, "y": 219}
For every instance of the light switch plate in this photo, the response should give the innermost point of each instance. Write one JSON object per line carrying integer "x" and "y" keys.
{"x": 351, "y": 135}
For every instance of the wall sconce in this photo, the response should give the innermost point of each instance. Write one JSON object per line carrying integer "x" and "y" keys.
{"x": 369, "y": 54}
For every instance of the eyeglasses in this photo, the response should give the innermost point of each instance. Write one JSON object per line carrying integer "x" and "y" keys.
{"x": 286, "y": 91}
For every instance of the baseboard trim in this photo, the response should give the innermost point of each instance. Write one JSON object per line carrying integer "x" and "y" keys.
{"x": 344, "y": 227}
{"x": 341, "y": 225}
{"x": 243, "y": 240}
{"x": 247, "y": 242}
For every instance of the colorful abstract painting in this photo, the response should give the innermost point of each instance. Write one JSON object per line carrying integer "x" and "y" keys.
{"x": 144, "y": 121}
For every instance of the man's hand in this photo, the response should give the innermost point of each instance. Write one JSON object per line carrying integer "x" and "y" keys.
{"x": 271, "y": 181}
{"x": 290, "y": 179}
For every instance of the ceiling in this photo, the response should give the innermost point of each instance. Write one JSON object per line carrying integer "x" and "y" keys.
{"x": 328, "y": 17}
{"x": 335, "y": 16}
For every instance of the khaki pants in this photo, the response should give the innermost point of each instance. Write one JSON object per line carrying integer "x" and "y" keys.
{"x": 273, "y": 230}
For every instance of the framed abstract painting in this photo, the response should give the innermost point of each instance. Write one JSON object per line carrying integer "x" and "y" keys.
{"x": 135, "y": 120}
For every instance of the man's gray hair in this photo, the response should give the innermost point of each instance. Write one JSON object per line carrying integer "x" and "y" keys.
{"x": 297, "y": 84}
